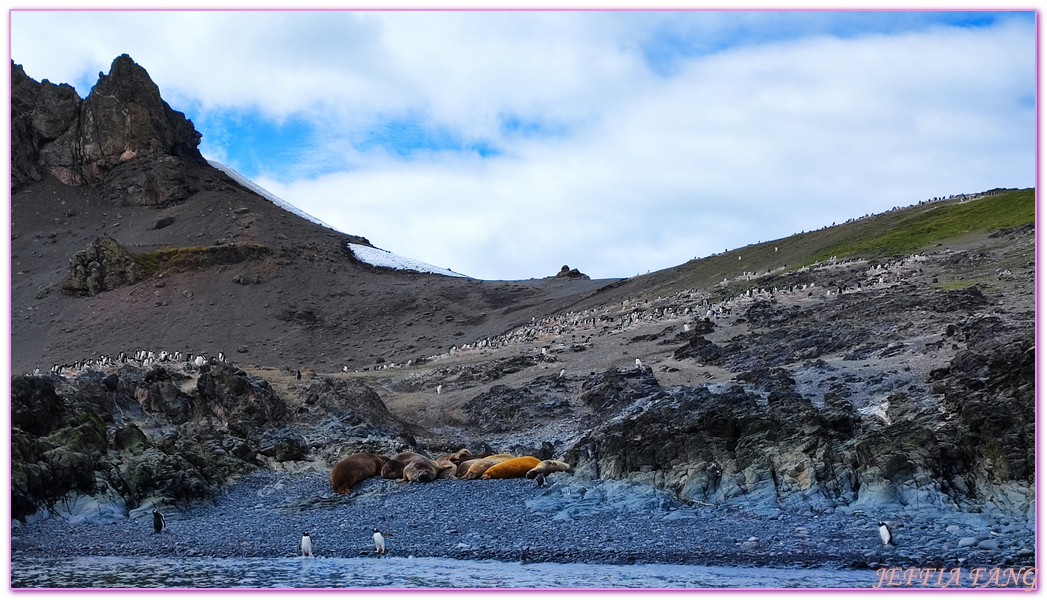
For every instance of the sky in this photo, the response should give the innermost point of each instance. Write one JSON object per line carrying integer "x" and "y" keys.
{"x": 506, "y": 144}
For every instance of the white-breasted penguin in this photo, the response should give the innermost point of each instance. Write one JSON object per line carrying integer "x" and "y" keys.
{"x": 379, "y": 542}
{"x": 885, "y": 534}
{"x": 305, "y": 545}
{"x": 158, "y": 521}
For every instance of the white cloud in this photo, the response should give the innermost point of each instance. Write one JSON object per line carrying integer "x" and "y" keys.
{"x": 747, "y": 143}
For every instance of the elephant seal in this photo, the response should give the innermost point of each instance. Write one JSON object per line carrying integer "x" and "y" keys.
{"x": 547, "y": 466}
{"x": 479, "y": 466}
{"x": 394, "y": 468}
{"x": 420, "y": 469}
{"x": 447, "y": 469}
{"x": 464, "y": 466}
{"x": 354, "y": 468}
{"x": 511, "y": 469}
{"x": 457, "y": 457}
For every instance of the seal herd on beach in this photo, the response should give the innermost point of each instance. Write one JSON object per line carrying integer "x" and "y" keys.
{"x": 417, "y": 467}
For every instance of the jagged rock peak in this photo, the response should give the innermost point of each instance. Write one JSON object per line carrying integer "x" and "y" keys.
{"x": 124, "y": 118}
{"x": 123, "y": 137}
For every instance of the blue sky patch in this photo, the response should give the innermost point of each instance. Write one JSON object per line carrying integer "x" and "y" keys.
{"x": 532, "y": 128}
{"x": 688, "y": 34}
{"x": 405, "y": 137}
{"x": 255, "y": 144}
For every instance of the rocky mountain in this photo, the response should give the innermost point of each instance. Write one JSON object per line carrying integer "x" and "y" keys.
{"x": 883, "y": 363}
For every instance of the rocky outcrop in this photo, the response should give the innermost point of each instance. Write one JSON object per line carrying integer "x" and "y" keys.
{"x": 104, "y": 265}
{"x": 503, "y": 408}
{"x": 172, "y": 432}
{"x": 241, "y": 404}
{"x": 781, "y": 451}
{"x": 990, "y": 387}
{"x": 339, "y": 409}
{"x": 123, "y": 137}
{"x": 41, "y": 113}
{"x": 569, "y": 273}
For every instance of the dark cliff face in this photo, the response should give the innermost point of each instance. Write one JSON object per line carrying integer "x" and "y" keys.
{"x": 123, "y": 137}
{"x": 178, "y": 431}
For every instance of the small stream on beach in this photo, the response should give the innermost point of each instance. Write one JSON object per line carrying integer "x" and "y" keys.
{"x": 397, "y": 572}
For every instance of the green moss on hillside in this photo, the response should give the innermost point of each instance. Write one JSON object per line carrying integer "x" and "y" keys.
{"x": 195, "y": 257}
{"x": 923, "y": 225}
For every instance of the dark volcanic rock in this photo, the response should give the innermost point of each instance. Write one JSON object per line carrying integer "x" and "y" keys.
{"x": 238, "y": 402}
{"x": 991, "y": 387}
{"x": 351, "y": 403}
{"x": 35, "y": 407}
{"x": 774, "y": 379}
{"x": 699, "y": 349}
{"x": 40, "y": 114}
{"x": 157, "y": 435}
{"x": 569, "y": 273}
{"x": 104, "y": 265}
{"x": 123, "y": 137}
{"x": 615, "y": 388}
{"x": 505, "y": 409}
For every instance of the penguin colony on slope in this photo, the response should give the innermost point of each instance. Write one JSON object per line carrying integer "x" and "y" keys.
{"x": 139, "y": 358}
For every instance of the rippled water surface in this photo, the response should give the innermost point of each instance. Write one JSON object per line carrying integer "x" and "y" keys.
{"x": 120, "y": 572}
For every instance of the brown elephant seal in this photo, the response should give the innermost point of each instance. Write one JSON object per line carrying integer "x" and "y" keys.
{"x": 479, "y": 466}
{"x": 394, "y": 468}
{"x": 512, "y": 468}
{"x": 420, "y": 469}
{"x": 464, "y": 466}
{"x": 457, "y": 457}
{"x": 548, "y": 466}
{"x": 353, "y": 468}
{"x": 448, "y": 469}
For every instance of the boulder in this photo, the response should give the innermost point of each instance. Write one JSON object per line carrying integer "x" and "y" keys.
{"x": 102, "y": 266}
{"x": 242, "y": 404}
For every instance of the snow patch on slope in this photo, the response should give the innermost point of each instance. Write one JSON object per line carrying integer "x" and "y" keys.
{"x": 367, "y": 254}
{"x": 381, "y": 258}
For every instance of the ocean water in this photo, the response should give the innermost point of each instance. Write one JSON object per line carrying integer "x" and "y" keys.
{"x": 404, "y": 573}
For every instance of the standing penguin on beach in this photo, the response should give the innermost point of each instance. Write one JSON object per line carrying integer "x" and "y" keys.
{"x": 379, "y": 542}
{"x": 158, "y": 521}
{"x": 305, "y": 546}
{"x": 885, "y": 535}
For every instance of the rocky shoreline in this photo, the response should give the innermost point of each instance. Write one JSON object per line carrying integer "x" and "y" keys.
{"x": 570, "y": 520}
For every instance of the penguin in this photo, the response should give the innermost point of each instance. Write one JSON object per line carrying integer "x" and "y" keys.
{"x": 379, "y": 541}
{"x": 305, "y": 545}
{"x": 298, "y": 376}
{"x": 562, "y": 372}
{"x": 221, "y": 356}
{"x": 885, "y": 535}
{"x": 539, "y": 479}
{"x": 158, "y": 521}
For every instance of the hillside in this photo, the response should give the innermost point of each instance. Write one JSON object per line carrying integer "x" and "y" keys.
{"x": 874, "y": 367}
{"x": 304, "y": 301}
